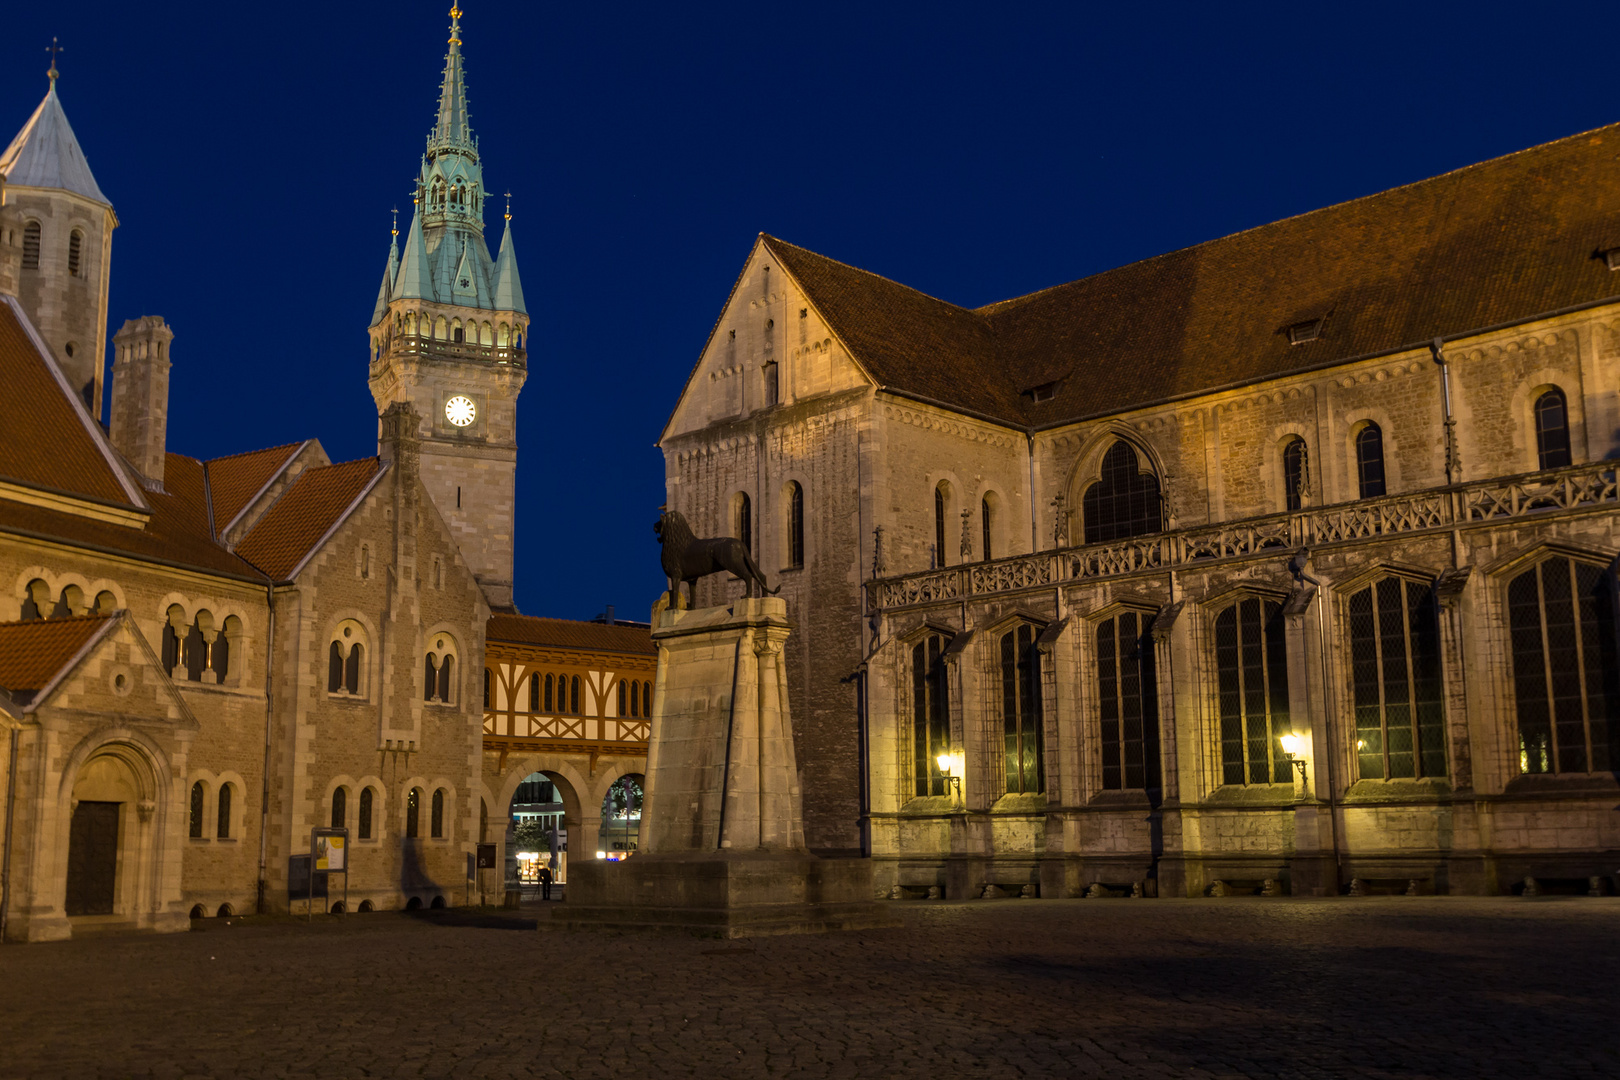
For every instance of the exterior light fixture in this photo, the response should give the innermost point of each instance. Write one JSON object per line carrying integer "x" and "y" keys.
{"x": 1291, "y": 746}
{"x": 951, "y": 769}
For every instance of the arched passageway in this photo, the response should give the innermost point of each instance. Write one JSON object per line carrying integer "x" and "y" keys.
{"x": 621, "y": 817}
{"x": 537, "y": 829}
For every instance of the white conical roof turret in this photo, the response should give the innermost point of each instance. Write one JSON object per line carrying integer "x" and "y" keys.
{"x": 46, "y": 154}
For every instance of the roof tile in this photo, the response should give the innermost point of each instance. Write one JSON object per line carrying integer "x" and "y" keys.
{"x": 32, "y": 652}
{"x": 234, "y": 480}
{"x": 288, "y": 531}
{"x": 569, "y": 634}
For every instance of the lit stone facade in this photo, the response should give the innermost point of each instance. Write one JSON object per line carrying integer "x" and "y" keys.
{"x": 1322, "y": 525}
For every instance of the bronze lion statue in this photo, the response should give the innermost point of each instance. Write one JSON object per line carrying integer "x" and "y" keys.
{"x": 687, "y": 558}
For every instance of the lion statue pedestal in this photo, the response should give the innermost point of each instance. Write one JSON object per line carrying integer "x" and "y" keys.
{"x": 722, "y": 836}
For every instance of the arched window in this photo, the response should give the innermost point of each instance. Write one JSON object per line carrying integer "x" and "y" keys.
{"x": 194, "y": 653}
{"x": 534, "y": 691}
{"x": 75, "y": 244}
{"x": 573, "y": 695}
{"x": 224, "y": 830}
{"x": 441, "y": 328}
{"x": 1295, "y": 478}
{"x": 930, "y": 720}
{"x": 1251, "y": 663}
{"x": 795, "y": 525}
{"x": 413, "y": 813}
{"x": 31, "y": 246}
{"x": 430, "y": 678}
{"x": 1566, "y": 675}
{"x": 501, "y": 333}
{"x": 351, "y": 668}
{"x": 623, "y": 699}
{"x": 646, "y": 700}
{"x": 1395, "y": 676}
{"x": 32, "y": 599}
{"x": 199, "y": 794}
{"x": 1124, "y": 501}
{"x": 437, "y": 826}
{"x": 986, "y": 521}
{"x": 1021, "y": 710}
{"x": 368, "y": 799}
{"x": 340, "y": 808}
{"x": 219, "y": 654}
{"x": 334, "y": 668}
{"x": 548, "y": 693}
{"x": 742, "y": 524}
{"x": 1552, "y": 430}
{"x": 771, "y": 389}
{"x": 1370, "y": 461}
{"x": 939, "y": 523}
{"x": 1128, "y": 696}
{"x": 445, "y": 684}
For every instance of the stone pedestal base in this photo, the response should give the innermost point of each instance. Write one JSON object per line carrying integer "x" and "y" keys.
{"x": 722, "y": 895}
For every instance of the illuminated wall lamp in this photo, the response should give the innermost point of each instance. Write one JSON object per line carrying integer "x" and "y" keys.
{"x": 950, "y": 767}
{"x": 1292, "y": 746}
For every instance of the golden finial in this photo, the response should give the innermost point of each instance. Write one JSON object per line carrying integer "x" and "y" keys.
{"x": 508, "y": 206}
{"x": 53, "y": 48}
{"x": 395, "y": 212}
{"x": 455, "y": 24}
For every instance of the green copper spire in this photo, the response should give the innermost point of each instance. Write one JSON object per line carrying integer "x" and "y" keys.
{"x": 415, "y": 273}
{"x": 390, "y": 275}
{"x": 508, "y": 286}
{"x": 453, "y": 130}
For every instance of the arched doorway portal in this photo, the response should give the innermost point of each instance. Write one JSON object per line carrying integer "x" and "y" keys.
{"x": 621, "y": 817}
{"x": 537, "y": 829}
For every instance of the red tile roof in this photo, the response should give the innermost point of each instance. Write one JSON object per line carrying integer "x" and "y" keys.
{"x": 234, "y": 480}
{"x": 1504, "y": 241}
{"x": 31, "y": 653}
{"x": 44, "y": 440}
{"x": 568, "y": 634}
{"x": 281, "y": 538}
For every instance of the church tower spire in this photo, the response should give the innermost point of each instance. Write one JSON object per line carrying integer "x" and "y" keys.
{"x": 448, "y": 335}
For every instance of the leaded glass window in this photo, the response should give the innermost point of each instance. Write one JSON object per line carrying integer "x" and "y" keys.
{"x": 1127, "y": 694}
{"x": 368, "y": 798}
{"x": 1124, "y": 502}
{"x": 1552, "y": 430}
{"x": 930, "y": 718}
{"x": 1252, "y": 665}
{"x": 413, "y": 813}
{"x": 224, "y": 815}
{"x": 340, "y": 808}
{"x": 198, "y": 793}
{"x": 1565, "y": 671}
{"x": 1395, "y": 678}
{"x": 795, "y": 517}
{"x": 1370, "y": 461}
{"x": 437, "y": 820}
{"x": 1021, "y": 710}
{"x": 1294, "y": 475}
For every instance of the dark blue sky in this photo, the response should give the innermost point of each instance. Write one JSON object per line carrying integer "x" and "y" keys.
{"x": 975, "y": 152}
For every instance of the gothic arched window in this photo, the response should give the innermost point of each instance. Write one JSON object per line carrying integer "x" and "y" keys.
{"x": 368, "y": 799}
{"x": 623, "y": 699}
{"x": 743, "y": 521}
{"x": 548, "y": 693}
{"x": 436, "y": 829}
{"x": 1021, "y": 711}
{"x": 573, "y": 695}
{"x": 351, "y": 668}
{"x": 646, "y": 700}
{"x": 1395, "y": 677}
{"x": 1128, "y": 694}
{"x": 340, "y": 808}
{"x": 413, "y": 813}
{"x": 1294, "y": 476}
{"x": 930, "y": 720}
{"x": 1251, "y": 662}
{"x": 772, "y": 390}
{"x": 1566, "y": 674}
{"x": 534, "y": 691}
{"x": 430, "y": 677}
{"x": 445, "y": 669}
{"x": 1124, "y": 501}
{"x": 1370, "y": 461}
{"x": 795, "y": 524}
{"x": 224, "y": 815}
{"x": 1552, "y": 430}
{"x": 986, "y": 520}
{"x": 941, "y": 489}
{"x": 198, "y": 795}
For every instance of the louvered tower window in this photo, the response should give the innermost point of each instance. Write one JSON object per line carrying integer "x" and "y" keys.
{"x": 1395, "y": 676}
{"x": 1127, "y": 693}
{"x": 31, "y": 246}
{"x": 75, "y": 243}
{"x": 1252, "y": 666}
{"x": 1561, "y": 615}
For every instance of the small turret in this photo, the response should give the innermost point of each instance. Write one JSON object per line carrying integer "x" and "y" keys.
{"x": 140, "y": 395}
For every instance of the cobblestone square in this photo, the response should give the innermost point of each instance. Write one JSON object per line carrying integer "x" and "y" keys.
{"x": 1374, "y": 987}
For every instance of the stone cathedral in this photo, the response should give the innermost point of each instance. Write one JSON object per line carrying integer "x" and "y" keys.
{"x": 201, "y": 660}
{"x": 1282, "y": 563}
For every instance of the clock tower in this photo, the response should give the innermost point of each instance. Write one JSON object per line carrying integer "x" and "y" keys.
{"x": 449, "y": 336}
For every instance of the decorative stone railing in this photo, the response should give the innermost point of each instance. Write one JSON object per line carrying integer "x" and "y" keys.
{"x": 411, "y": 344}
{"x": 1577, "y": 488}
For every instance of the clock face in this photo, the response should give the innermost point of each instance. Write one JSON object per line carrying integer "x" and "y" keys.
{"x": 460, "y": 410}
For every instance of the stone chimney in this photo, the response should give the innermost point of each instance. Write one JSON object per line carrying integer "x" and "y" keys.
{"x": 11, "y": 227}
{"x": 140, "y": 394}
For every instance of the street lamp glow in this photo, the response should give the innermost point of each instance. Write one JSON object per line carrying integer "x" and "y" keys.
{"x": 944, "y": 764}
{"x": 1291, "y": 744}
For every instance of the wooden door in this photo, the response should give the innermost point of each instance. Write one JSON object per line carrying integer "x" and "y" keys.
{"x": 93, "y": 859}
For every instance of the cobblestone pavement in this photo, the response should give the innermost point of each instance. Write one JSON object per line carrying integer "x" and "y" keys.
{"x": 1373, "y": 987}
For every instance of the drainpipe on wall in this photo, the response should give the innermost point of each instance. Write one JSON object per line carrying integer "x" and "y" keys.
{"x": 11, "y": 813}
{"x": 269, "y": 712}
